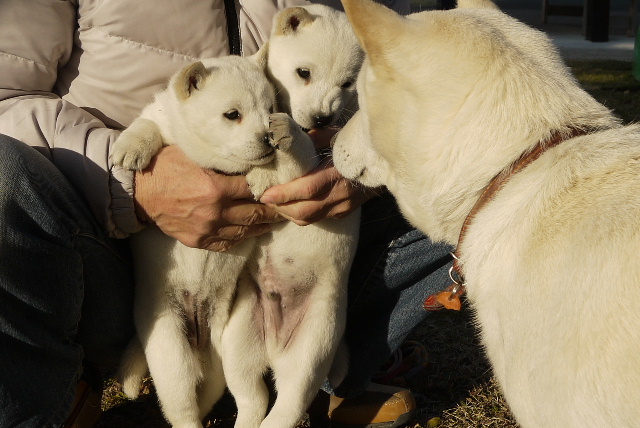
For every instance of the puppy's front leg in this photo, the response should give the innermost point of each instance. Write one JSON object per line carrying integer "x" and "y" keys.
{"x": 260, "y": 178}
{"x": 137, "y": 144}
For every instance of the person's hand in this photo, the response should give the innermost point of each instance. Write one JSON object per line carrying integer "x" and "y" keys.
{"x": 196, "y": 206}
{"x": 322, "y": 193}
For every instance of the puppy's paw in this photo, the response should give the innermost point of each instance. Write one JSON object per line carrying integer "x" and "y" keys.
{"x": 131, "y": 387}
{"x": 130, "y": 152}
{"x": 260, "y": 179}
{"x": 282, "y": 130}
{"x": 136, "y": 145}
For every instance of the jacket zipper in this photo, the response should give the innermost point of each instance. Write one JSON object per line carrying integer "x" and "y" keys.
{"x": 233, "y": 27}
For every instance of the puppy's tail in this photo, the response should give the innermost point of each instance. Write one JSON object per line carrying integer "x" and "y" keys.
{"x": 133, "y": 368}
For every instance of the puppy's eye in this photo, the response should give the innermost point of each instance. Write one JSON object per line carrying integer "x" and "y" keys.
{"x": 304, "y": 73}
{"x": 347, "y": 84}
{"x": 232, "y": 114}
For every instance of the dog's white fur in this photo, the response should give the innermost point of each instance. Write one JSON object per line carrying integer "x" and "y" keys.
{"x": 182, "y": 291}
{"x": 290, "y": 310}
{"x": 552, "y": 261}
{"x": 195, "y": 96}
{"x": 313, "y": 61}
{"x": 289, "y": 316}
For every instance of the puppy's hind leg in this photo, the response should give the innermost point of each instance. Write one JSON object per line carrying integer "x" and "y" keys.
{"x": 303, "y": 365}
{"x": 175, "y": 370}
{"x": 244, "y": 359}
{"x": 212, "y": 386}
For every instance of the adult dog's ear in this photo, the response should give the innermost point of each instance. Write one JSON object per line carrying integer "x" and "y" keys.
{"x": 290, "y": 20}
{"x": 190, "y": 79}
{"x": 376, "y": 27}
{"x": 477, "y": 4}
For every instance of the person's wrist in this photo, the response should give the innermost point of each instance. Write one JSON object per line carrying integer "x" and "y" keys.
{"x": 140, "y": 182}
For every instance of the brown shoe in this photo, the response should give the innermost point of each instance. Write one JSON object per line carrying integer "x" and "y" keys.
{"x": 379, "y": 406}
{"x": 86, "y": 408}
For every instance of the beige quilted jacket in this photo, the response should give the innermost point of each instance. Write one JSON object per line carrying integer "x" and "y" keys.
{"x": 73, "y": 73}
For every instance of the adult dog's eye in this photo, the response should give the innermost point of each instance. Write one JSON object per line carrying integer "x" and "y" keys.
{"x": 271, "y": 109}
{"x": 304, "y": 73}
{"x": 347, "y": 84}
{"x": 232, "y": 114}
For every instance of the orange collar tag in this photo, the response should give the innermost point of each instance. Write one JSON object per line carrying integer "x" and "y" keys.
{"x": 449, "y": 300}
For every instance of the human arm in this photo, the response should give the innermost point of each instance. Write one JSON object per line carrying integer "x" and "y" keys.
{"x": 44, "y": 77}
{"x": 199, "y": 207}
{"x": 36, "y": 41}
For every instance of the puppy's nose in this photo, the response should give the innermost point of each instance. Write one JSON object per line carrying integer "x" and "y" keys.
{"x": 322, "y": 121}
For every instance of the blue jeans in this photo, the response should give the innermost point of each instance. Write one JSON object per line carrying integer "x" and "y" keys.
{"x": 395, "y": 269}
{"x": 66, "y": 290}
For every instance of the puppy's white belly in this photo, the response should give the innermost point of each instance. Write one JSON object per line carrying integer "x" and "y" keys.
{"x": 300, "y": 266}
{"x": 185, "y": 282}
{"x": 164, "y": 259}
{"x": 282, "y": 298}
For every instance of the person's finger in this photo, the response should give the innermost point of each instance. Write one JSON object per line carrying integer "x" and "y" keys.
{"x": 239, "y": 233}
{"x": 284, "y": 213}
{"x": 310, "y": 186}
{"x": 235, "y": 186}
{"x": 221, "y": 246}
{"x": 250, "y": 213}
{"x": 229, "y": 236}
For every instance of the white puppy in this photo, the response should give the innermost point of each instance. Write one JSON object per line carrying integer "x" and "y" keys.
{"x": 290, "y": 311}
{"x": 551, "y": 258}
{"x": 313, "y": 61}
{"x": 291, "y": 306}
{"x": 217, "y": 111}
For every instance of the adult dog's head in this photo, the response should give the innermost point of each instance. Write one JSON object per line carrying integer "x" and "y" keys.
{"x": 447, "y": 100}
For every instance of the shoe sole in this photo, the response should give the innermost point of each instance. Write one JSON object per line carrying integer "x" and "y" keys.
{"x": 401, "y": 421}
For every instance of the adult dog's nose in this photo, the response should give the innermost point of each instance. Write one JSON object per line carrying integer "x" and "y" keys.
{"x": 321, "y": 121}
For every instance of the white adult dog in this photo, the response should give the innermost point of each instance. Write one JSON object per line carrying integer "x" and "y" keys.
{"x": 551, "y": 256}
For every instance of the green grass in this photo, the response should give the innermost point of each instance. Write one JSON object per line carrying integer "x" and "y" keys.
{"x": 611, "y": 83}
{"x": 457, "y": 388}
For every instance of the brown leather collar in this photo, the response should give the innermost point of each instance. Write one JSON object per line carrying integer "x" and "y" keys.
{"x": 499, "y": 181}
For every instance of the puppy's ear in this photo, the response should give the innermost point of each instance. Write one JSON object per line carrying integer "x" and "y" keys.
{"x": 261, "y": 57}
{"x": 376, "y": 27}
{"x": 290, "y": 20}
{"x": 190, "y": 79}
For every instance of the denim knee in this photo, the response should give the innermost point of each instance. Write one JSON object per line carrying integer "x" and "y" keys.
{"x": 395, "y": 268}
{"x": 66, "y": 289}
